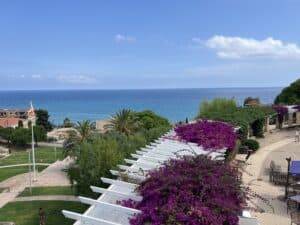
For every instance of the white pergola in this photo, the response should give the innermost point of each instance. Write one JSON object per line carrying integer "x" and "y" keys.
{"x": 105, "y": 210}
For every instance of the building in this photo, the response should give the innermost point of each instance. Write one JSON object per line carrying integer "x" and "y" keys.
{"x": 12, "y": 117}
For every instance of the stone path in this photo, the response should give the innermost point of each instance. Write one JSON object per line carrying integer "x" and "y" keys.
{"x": 47, "y": 198}
{"x": 53, "y": 175}
{"x": 265, "y": 194}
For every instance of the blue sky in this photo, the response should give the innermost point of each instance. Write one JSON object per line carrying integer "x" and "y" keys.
{"x": 148, "y": 44}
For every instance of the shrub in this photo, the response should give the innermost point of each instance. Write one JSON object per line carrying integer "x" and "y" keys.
{"x": 191, "y": 190}
{"x": 21, "y": 136}
{"x": 258, "y": 126}
{"x": 148, "y": 119}
{"x": 251, "y": 144}
{"x": 226, "y": 110}
{"x": 211, "y": 135}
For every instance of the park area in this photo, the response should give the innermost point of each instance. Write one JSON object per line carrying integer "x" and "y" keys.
{"x": 51, "y": 191}
{"x": 17, "y": 162}
{"x": 29, "y": 209}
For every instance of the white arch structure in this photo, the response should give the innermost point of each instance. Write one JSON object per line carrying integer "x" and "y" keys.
{"x": 105, "y": 210}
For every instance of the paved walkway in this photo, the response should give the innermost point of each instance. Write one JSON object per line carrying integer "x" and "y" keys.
{"x": 53, "y": 175}
{"x": 47, "y": 198}
{"x": 25, "y": 164}
{"x": 265, "y": 194}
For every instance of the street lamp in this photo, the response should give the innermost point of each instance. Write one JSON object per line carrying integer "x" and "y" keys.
{"x": 288, "y": 176}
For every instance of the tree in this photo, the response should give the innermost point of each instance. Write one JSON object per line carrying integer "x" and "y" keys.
{"x": 6, "y": 134}
{"x": 21, "y": 136}
{"x": 40, "y": 133}
{"x": 67, "y": 122}
{"x": 218, "y": 106}
{"x": 148, "y": 119}
{"x": 95, "y": 161}
{"x": 123, "y": 122}
{"x": 71, "y": 144}
{"x": 43, "y": 119}
{"x": 289, "y": 95}
{"x": 84, "y": 128}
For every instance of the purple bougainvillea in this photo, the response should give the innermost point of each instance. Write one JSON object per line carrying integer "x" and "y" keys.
{"x": 190, "y": 191}
{"x": 281, "y": 110}
{"x": 297, "y": 107}
{"x": 211, "y": 135}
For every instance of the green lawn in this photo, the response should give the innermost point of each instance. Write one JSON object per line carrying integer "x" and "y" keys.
{"x": 10, "y": 172}
{"x": 48, "y": 191}
{"x": 42, "y": 155}
{"x": 26, "y": 213}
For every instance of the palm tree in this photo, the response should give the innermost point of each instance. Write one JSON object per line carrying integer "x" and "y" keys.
{"x": 84, "y": 128}
{"x": 123, "y": 122}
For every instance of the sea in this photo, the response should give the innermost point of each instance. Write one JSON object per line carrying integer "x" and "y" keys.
{"x": 174, "y": 104}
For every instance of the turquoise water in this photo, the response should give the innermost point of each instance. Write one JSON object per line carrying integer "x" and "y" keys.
{"x": 175, "y": 104}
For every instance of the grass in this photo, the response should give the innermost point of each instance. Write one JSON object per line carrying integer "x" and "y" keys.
{"x": 6, "y": 173}
{"x": 26, "y": 213}
{"x": 42, "y": 155}
{"x": 48, "y": 191}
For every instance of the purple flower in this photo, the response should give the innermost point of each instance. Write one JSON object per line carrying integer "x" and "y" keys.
{"x": 281, "y": 110}
{"x": 190, "y": 191}
{"x": 211, "y": 135}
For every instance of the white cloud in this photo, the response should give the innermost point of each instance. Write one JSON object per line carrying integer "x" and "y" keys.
{"x": 123, "y": 38}
{"x": 241, "y": 48}
{"x": 76, "y": 79}
{"x": 35, "y": 76}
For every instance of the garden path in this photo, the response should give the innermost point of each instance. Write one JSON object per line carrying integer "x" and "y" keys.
{"x": 47, "y": 198}
{"x": 53, "y": 175}
{"x": 265, "y": 194}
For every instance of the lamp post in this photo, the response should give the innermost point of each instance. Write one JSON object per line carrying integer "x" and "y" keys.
{"x": 32, "y": 142}
{"x": 288, "y": 176}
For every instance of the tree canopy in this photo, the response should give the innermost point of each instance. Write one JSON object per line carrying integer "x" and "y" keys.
{"x": 289, "y": 95}
{"x": 227, "y": 110}
{"x": 95, "y": 155}
{"x": 43, "y": 119}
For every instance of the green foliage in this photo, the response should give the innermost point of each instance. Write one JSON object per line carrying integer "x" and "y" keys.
{"x": 20, "y": 123}
{"x": 55, "y": 190}
{"x": 43, "y": 119}
{"x": 219, "y": 107}
{"x": 40, "y": 133}
{"x": 21, "y": 137}
{"x": 99, "y": 153}
{"x": 6, "y": 133}
{"x": 42, "y": 155}
{"x": 95, "y": 160}
{"x": 257, "y": 127}
{"x": 85, "y": 129}
{"x": 289, "y": 95}
{"x": 251, "y": 144}
{"x": 227, "y": 110}
{"x": 67, "y": 123}
{"x": 148, "y": 119}
{"x": 71, "y": 144}
{"x": 26, "y": 213}
{"x": 123, "y": 122}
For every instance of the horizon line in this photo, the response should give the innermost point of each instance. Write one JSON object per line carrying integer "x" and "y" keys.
{"x": 128, "y": 89}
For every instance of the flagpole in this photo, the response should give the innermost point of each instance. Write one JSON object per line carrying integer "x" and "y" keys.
{"x": 32, "y": 147}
